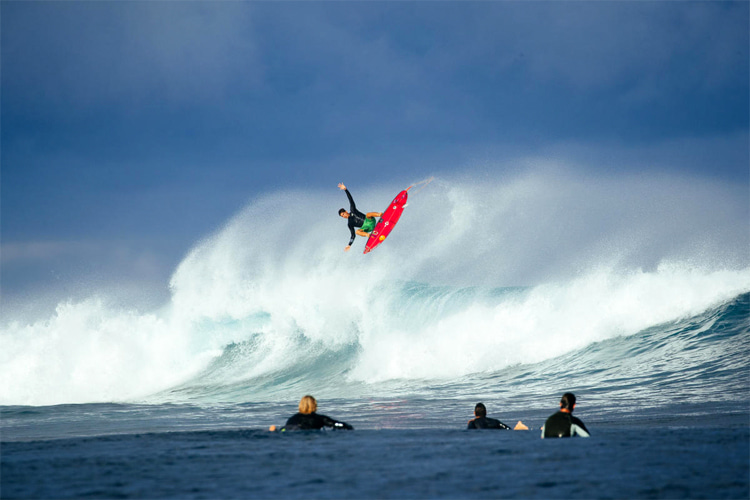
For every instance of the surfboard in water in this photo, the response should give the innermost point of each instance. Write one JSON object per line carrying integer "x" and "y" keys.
{"x": 387, "y": 221}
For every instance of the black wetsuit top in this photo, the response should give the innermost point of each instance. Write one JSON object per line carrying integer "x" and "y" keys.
{"x": 311, "y": 421}
{"x": 356, "y": 218}
{"x": 486, "y": 423}
{"x": 563, "y": 424}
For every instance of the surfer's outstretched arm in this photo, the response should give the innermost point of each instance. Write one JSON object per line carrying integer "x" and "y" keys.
{"x": 351, "y": 240}
{"x": 352, "y": 206}
{"x": 374, "y": 214}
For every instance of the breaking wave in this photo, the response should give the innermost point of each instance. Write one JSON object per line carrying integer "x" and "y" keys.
{"x": 477, "y": 278}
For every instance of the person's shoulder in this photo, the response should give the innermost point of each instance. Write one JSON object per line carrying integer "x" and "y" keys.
{"x": 577, "y": 421}
{"x": 321, "y": 419}
{"x": 559, "y": 414}
{"x": 294, "y": 422}
{"x": 294, "y": 418}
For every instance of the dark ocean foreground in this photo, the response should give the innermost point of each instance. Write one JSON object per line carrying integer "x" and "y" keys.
{"x": 658, "y": 455}
{"x": 668, "y": 407}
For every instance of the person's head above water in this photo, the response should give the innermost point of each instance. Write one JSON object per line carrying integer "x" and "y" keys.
{"x": 308, "y": 405}
{"x": 480, "y": 410}
{"x": 343, "y": 213}
{"x": 568, "y": 402}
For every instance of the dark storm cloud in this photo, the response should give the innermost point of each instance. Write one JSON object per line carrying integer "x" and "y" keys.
{"x": 152, "y": 122}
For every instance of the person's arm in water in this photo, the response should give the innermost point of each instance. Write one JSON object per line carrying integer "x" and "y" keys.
{"x": 501, "y": 425}
{"x": 577, "y": 428}
{"x": 329, "y": 422}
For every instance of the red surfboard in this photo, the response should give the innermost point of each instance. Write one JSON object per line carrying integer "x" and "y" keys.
{"x": 387, "y": 221}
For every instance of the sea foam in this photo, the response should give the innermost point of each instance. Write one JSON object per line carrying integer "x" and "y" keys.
{"x": 477, "y": 276}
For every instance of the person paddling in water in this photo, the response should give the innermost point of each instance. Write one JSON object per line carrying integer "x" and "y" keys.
{"x": 365, "y": 222}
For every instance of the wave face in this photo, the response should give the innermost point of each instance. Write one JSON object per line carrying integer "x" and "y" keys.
{"x": 621, "y": 284}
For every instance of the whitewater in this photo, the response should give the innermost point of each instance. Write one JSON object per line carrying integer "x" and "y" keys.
{"x": 482, "y": 274}
{"x": 633, "y": 291}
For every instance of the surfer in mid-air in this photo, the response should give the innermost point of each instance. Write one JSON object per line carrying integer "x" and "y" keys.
{"x": 365, "y": 222}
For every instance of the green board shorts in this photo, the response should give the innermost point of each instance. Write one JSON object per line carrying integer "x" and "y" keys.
{"x": 369, "y": 224}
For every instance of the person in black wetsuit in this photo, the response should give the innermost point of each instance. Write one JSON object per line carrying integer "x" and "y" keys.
{"x": 307, "y": 419}
{"x": 562, "y": 423}
{"x": 365, "y": 222}
{"x": 481, "y": 421}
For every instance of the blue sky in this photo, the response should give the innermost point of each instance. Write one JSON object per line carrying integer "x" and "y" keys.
{"x": 132, "y": 129}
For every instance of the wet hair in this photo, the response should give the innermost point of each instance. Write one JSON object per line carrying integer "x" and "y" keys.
{"x": 568, "y": 401}
{"x": 480, "y": 410}
{"x": 308, "y": 405}
{"x": 342, "y": 210}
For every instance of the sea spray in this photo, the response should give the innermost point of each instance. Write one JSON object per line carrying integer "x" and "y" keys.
{"x": 477, "y": 277}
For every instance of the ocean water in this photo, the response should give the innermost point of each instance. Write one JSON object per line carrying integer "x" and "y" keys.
{"x": 625, "y": 293}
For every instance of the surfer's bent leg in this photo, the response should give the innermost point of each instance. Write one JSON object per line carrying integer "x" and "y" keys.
{"x": 369, "y": 224}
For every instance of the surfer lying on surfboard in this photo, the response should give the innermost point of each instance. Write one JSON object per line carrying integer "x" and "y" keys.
{"x": 365, "y": 222}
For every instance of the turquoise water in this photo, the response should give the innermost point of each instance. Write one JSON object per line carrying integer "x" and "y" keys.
{"x": 668, "y": 409}
{"x": 637, "y": 300}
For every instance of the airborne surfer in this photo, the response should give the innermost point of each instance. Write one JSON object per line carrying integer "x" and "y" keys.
{"x": 365, "y": 222}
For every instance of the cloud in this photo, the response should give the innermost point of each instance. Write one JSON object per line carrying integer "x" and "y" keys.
{"x": 192, "y": 51}
{"x": 211, "y": 51}
{"x": 135, "y": 119}
{"x": 590, "y": 45}
{"x": 128, "y": 52}
{"x": 16, "y": 252}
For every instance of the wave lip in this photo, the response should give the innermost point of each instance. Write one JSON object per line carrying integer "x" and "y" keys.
{"x": 541, "y": 323}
